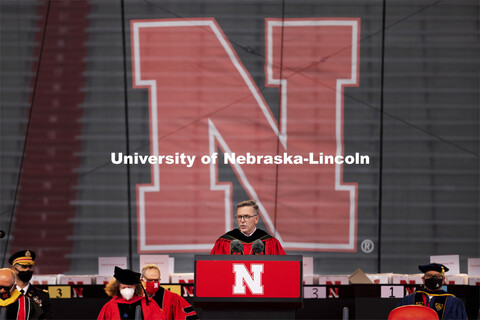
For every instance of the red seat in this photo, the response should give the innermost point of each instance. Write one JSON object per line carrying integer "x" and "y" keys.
{"x": 413, "y": 312}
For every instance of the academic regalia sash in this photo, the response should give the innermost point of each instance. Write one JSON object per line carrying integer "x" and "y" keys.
{"x": 437, "y": 303}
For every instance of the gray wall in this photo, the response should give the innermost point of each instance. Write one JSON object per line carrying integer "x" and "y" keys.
{"x": 415, "y": 112}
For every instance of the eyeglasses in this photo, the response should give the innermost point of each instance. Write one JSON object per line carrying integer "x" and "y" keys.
{"x": 151, "y": 280}
{"x": 5, "y": 288}
{"x": 246, "y": 217}
{"x": 434, "y": 277}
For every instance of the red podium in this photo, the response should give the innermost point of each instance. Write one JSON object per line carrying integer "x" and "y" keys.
{"x": 248, "y": 287}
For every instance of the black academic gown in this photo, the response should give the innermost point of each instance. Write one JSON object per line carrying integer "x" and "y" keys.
{"x": 19, "y": 307}
{"x": 447, "y": 306}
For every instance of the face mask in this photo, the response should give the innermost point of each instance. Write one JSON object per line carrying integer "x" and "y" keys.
{"x": 127, "y": 293}
{"x": 433, "y": 283}
{"x": 152, "y": 287}
{"x": 25, "y": 276}
{"x": 5, "y": 295}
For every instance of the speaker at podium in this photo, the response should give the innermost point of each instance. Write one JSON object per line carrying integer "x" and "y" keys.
{"x": 248, "y": 286}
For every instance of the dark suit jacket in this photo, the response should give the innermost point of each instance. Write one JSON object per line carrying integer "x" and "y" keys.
{"x": 42, "y": 299}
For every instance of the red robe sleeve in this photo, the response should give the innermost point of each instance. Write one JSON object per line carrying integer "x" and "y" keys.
{"x": 273, "y": 247}
{"x": 109, "y": 311}
{"x": 152, "y": 310}
{"x": 222, "y": 246}
{"x": 177, "y": 308}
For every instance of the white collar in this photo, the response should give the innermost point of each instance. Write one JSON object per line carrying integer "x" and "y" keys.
{"x": 25, "y": 289}
{"x": 248, "y": 235}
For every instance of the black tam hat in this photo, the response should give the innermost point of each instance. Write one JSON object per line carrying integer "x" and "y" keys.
{"x": 433, "y": 267}
{"x": 126, "y": 276}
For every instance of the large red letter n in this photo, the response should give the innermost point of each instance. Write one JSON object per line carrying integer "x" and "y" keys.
{"x": 202, "y": 98}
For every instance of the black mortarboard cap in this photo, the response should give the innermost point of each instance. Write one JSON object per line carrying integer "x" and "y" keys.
{"x": 24, "y": 257}
{"x": 433, "y": 267}
{"x": 126, "y": 276}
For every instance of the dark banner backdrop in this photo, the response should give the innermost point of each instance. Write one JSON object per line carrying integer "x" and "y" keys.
{"x": 70, "y": 96}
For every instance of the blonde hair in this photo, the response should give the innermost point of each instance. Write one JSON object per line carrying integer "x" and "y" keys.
{"x": 113, "y": 288}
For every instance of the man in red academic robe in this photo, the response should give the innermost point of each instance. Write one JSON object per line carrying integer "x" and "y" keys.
{"x": 174, "y": 306}
{"x": 127, "y": 299}
{"x": 247, "y": 234}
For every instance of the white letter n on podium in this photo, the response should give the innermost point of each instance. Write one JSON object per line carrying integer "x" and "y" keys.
{"x": 252, "y": 278}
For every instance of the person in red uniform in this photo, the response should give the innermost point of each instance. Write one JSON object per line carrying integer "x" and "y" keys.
{"x": 247, "y": 233}
{"x": 174, "y": 306}
{"x": 128, "y": 301}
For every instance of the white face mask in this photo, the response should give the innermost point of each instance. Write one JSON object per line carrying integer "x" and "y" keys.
{"x": 127, "y": 293}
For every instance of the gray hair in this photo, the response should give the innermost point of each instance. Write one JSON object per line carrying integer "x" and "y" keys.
{"x": 150, "y": 266}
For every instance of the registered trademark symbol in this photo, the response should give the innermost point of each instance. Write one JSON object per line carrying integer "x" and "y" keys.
{"x": 367, "y": 246}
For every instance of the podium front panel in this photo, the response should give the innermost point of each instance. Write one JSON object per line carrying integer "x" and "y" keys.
{"x": 238, "y": 278}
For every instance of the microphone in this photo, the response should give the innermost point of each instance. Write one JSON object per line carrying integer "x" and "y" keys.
{"x": 258, "y": 246}
{"x": 236, "y": 247}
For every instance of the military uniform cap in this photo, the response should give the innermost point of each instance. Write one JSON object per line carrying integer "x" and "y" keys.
{"x": 126, "y": 276}
{"x": 433, "y": 267}
{"x": 24, "y": 257}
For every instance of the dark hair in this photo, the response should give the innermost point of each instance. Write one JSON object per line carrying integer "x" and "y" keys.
{"x": 113, "y": 288}
{"x": 248, "y": 203}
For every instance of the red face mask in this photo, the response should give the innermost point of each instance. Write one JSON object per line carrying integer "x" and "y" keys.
{"x": 152, "y": 287}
